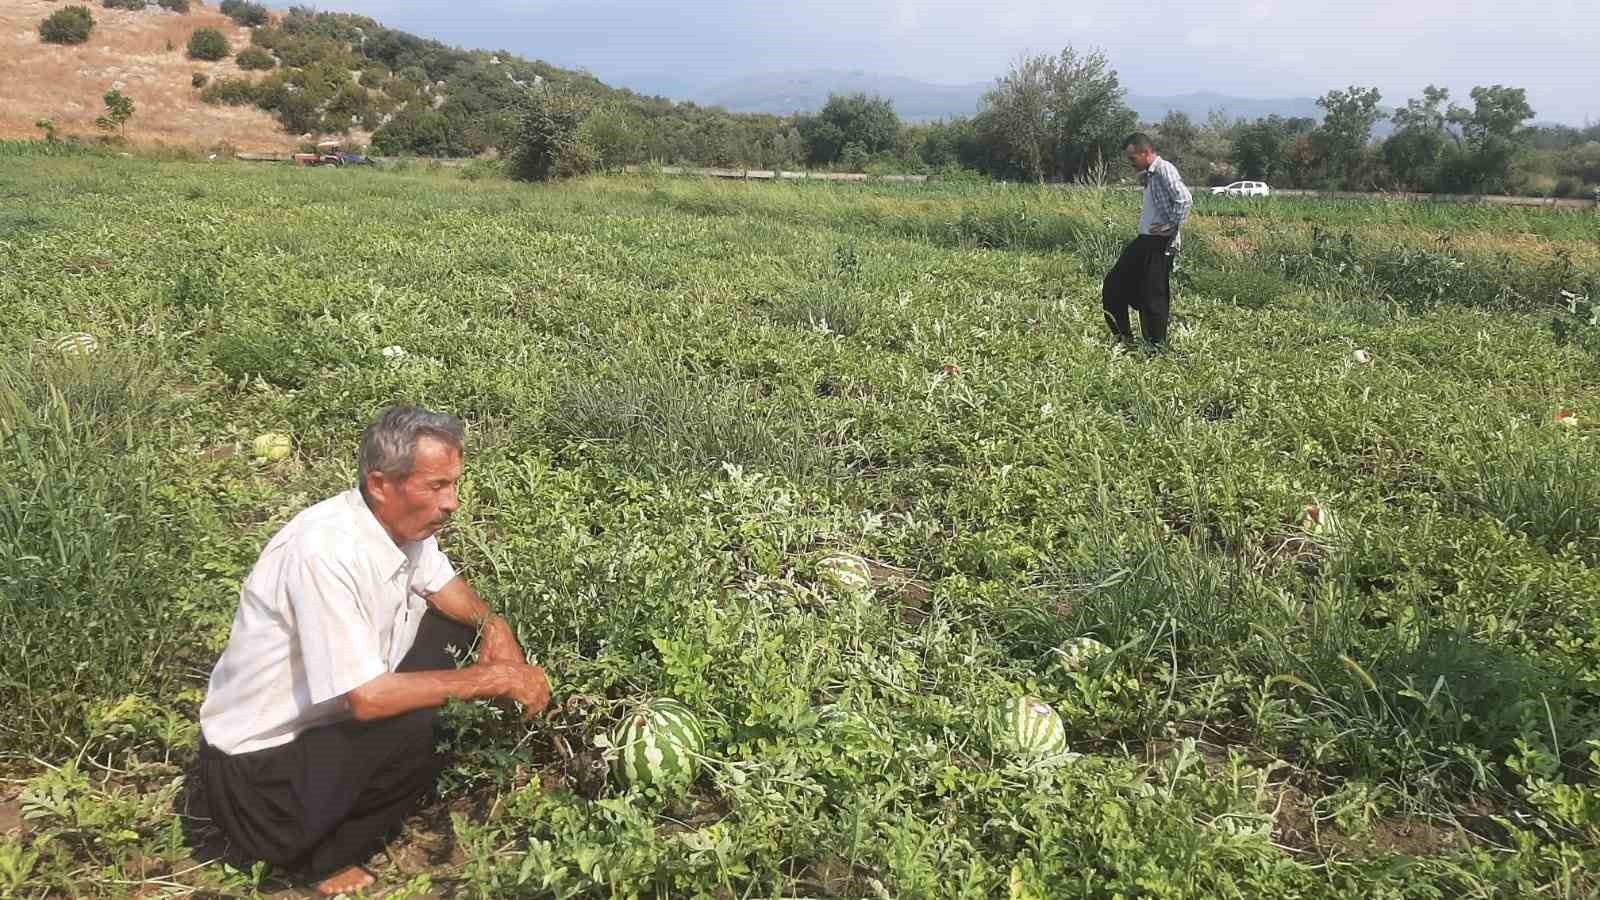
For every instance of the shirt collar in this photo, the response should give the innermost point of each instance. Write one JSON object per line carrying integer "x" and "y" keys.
{"x": 370, "y": 531}
{"x": 1145, "y": 175}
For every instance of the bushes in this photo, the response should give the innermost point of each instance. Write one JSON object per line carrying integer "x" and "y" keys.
{"x": 198, "y": 80}
{"x": 129, "y": 5}
{"x": 70, "y": 25}
{"x": 178, "y": 6}
{"x": 208, "y": 44}
{"x": 245, "y": 13}
{"x": 255, "y": 58}
{"x": 230, "y": 91}
{"x": 548, "y": 143}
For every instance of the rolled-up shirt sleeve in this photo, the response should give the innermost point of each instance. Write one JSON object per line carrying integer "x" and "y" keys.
{"x": 433, "y": 569}
{"x": 339, "y": 644}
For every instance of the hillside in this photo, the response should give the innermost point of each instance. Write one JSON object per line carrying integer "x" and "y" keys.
{"x": 139, "y": 53}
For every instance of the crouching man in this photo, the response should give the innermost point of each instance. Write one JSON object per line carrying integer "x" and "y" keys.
{"x": 318, "y": 722}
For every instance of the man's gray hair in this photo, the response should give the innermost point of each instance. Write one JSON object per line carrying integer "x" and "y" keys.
{"x": 389, "y": 445}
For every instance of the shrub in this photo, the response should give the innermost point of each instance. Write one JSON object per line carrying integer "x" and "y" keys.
{"x": 177, "y": 6}
{"x": 255, "y": 58}
{"x": 245, "y": 13}
{"x": 70, "y": 25}
{"x": 230, "y": 91}
{"x": 198, "y": 80}
{"x": 1566, "y": 187}
{"x": 208, "y": 44}
{"x": 548, "y": 142}
{"x": 129, "y": 5}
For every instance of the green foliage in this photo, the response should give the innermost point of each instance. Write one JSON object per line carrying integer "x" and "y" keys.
{"x": 246, "y": 13}
{"x": 230, "y": 91}
{"x": 129, "y": 5}
{"x": 255, "y": 58}
{"x": 68, "y": 25}
{"x": 208, "y": 44}
{"x": 1348, "y": 117}
{"x": 178, "y": 6}
{"x": 550, "y": 140}
{"x": 48, "y": 127}
{"x": 119, "y": 109}
{"x": 1055, "y": 117}
{"x": 867, "y": 123}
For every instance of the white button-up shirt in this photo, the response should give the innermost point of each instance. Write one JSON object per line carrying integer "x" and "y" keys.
{"x": 331, "y": 604}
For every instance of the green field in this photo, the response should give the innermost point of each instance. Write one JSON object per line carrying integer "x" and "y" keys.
{"x": 681, "y": 394}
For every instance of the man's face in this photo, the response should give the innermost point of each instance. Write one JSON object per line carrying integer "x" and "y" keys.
{"x": 1141, "y": 157}
{"x": 416, "y": 507}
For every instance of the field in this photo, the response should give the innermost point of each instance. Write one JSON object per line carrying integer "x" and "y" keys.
{"x": 681, "y": 394}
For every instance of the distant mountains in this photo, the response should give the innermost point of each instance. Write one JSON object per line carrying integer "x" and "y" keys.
{"x": 807, "y": 90}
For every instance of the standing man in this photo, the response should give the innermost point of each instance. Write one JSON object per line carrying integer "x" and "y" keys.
{"x": 1141, "y": 279}
{"x": 317, "y": 728}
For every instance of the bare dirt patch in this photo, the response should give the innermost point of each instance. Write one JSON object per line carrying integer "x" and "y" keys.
{"x": 139, "y": 53}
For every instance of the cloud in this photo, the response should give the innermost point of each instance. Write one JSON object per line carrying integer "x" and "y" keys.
{"x": 1251, "y": 47}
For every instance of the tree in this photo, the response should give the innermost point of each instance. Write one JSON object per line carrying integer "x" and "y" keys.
{"x": 1493, "y": 134}
{"x": 245, "y": 13}
{"x": 1015, "y": 118}
{"x": 1177, "y": 136}
{"x": 845, "y": 119}
{"x": 119, "y": 109}
{"x": 69, "y": 25}
{"x": 208, "y": 44}
{"x": 549, "y": 142}
{"x": 1414, "y": 152}
{"x": 1346, "y": 130}
{"x": 1055, "y": 115}
{"x": 1087, "y": 115}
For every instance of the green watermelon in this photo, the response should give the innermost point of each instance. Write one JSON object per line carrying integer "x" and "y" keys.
{"x": 1029, "y": 727}
{"x": 77, "y": 344}
{"x": 1078, "y": 651}
{"x": 272, "y": 446}
{"x": 659, "y": 742}
{"x": 845, "y": 573}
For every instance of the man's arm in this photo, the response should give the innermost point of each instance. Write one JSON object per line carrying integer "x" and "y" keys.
{"x": 459, "y": 602}
{"x": 398, "y": 693}
{"x": 1174, "y": 197}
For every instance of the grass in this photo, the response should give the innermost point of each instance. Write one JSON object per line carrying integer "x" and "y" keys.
{"x": 681, "y": 394}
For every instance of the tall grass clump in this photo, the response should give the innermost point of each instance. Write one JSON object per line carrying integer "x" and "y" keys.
{"x": 81, "y": 601}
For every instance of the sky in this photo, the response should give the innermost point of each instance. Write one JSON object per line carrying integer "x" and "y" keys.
{"x": 1250, "y": 48}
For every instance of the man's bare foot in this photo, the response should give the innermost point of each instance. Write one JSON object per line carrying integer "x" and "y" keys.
{"x": 349, "y": 881}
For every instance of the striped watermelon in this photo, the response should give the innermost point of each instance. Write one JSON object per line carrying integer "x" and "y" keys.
{"x": 1078, "y": 651}
{"x": 1029, "y": 727}
{"x": 845, "y": 573}
{"x": 659, "y": 742}
{"x": 77, "y": 344}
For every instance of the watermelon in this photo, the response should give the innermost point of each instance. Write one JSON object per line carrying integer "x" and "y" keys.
{"x": 272, "y": 446}
{"x": 845, "y": 573}
{"x": 1030, "y": 728}
{"x": 77, "y": 344}
{"x": 1078, "y": 651}
{"x": 659, "y": 742}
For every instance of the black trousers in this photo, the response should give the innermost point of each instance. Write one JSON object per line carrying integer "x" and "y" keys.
{"x": 328, "y": 799}
{"x": 1141, "y": 280}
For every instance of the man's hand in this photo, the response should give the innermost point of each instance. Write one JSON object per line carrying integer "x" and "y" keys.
{"x": 500, "y": 643}
{"x": 520, "y": 682}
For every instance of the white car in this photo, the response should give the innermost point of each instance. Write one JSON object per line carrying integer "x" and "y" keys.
{"x": 1244, "y": 189}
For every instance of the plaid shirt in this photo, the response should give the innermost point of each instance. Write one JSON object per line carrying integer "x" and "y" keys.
{"x": 1166, "y": 200}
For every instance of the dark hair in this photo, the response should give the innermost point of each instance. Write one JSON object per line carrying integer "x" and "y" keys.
{"x": 1138, "y": 141}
